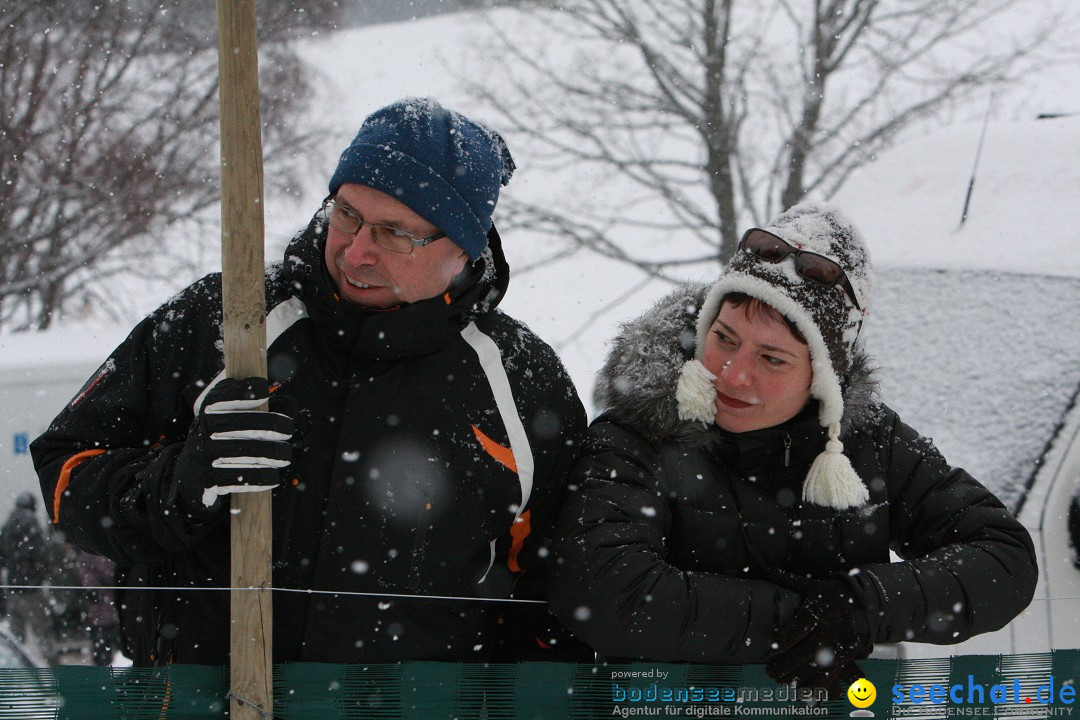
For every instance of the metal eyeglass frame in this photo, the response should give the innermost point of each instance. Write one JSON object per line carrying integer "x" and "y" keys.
{"x": 394, "y": 233}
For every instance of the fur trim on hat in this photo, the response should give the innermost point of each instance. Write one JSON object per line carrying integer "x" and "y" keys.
{"x": 652, "y": 380}
{"x": 695, "y": 393}
{"x": 640, "y": 377}
{"x": 825, "y": 385}
{"x": 825, "y": 315}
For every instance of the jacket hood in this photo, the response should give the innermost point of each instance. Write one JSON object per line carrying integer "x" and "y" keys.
{"x": 639, "y": 377}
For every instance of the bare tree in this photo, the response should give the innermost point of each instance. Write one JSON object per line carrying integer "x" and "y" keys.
{"x": 108, "y": 136}
{"x": 713, "y": 114}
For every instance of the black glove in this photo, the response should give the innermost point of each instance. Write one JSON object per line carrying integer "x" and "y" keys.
{"x": 819, "y": 645}
{"x": 232, "y": 447}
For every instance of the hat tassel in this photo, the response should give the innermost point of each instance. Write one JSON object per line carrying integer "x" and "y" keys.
{"x": 695, "y": 392}
{"x": 832, "y": 482}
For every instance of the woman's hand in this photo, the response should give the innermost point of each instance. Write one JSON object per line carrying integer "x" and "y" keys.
{"x": 820, "y": 644}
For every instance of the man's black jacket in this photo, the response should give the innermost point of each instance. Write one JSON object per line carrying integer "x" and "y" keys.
{"x": 432, "y": 447}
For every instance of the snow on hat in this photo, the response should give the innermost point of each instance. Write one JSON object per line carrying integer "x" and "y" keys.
{"x": 827, "y": 318}
{"x": 443, "y": 166}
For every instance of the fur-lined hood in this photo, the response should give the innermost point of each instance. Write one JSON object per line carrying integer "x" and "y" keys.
{"x": 638, "y": 380}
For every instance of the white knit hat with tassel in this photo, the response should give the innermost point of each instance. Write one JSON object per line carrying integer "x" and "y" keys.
{"x": 825, "y": 316}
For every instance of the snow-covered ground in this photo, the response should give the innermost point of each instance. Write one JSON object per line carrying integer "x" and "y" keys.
{"x": 980, "y": 362}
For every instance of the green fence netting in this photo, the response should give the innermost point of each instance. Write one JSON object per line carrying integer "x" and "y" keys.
{"x": 1017, "y": 686}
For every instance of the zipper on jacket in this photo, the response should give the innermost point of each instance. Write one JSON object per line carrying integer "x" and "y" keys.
{"x": 787, "y": 449}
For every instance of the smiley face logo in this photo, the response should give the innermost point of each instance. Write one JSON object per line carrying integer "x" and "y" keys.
{"x": 862, "y": 693}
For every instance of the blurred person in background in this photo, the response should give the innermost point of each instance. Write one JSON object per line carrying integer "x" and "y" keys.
{"x": 97, "y": 609}
{"x": 25, "y": 557}
{"x": 64, "y": 600}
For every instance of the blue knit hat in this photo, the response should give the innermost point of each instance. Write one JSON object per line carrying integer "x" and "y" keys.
{"x": 443, "y": 166}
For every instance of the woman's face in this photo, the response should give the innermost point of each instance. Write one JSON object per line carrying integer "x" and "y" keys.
{"x": 762, "y": 371}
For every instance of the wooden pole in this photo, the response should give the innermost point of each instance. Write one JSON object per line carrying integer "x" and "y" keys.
{"x": 244, "y": 313}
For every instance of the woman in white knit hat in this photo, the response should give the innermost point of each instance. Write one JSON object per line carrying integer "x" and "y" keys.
{"x": 737, "y": 500}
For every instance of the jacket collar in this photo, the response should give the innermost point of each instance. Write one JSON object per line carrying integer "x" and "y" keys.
{"x": 794, "y": 443}
{"x": 409, "y": 330}
{"x": 638, "y": 380}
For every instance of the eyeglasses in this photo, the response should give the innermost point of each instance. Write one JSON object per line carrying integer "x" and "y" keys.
{"x": 344, "y": 218}
{"x": 817, "y": 268}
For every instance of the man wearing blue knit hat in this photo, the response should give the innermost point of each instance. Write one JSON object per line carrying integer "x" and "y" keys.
{"x": 422, "y": 173}
{"x": 416, "y": 447}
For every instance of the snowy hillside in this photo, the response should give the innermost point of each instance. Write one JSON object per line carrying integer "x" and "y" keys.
{"x": 1024, "y": 210}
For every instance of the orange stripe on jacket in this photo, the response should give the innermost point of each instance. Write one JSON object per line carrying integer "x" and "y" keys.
{"x": 65, "y": 477}
{"x": 521, "y": 527}
{"x": 518, "y": 531}
{"x": 503, "y": 454}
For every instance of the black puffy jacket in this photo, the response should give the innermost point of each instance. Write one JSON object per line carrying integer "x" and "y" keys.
{"x": 431, "y": 449}
{"x": 668, "y": 530}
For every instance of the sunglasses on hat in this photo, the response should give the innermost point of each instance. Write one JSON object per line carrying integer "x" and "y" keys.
{"x": 763, "y": 245}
